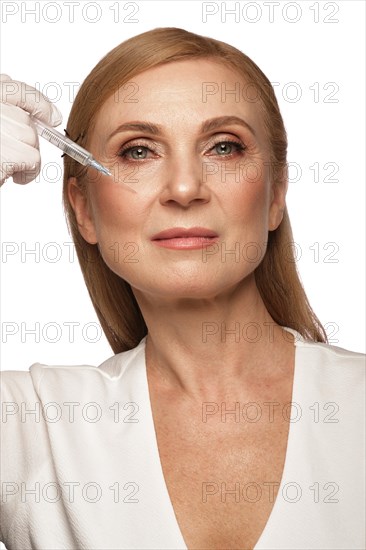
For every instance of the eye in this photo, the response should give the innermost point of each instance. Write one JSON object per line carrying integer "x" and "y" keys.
{"x": 225, "y": 148}
{"x": 134, "y": 152}
{"x": 139, "y": 151}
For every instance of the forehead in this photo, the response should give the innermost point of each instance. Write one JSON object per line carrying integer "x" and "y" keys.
{"x": 191, "y": 90}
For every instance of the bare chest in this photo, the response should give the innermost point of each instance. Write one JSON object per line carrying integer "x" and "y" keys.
{"x": 222, "y": 475}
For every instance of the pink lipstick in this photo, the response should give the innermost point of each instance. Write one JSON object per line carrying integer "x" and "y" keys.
{"x": 185, "y": 238}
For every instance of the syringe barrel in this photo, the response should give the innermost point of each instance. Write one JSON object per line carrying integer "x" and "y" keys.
{"x": 78, "y": 153}
{"x": 62, "y": 142}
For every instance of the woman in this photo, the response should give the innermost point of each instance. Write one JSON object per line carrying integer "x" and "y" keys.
{"x": 186, "y": 437}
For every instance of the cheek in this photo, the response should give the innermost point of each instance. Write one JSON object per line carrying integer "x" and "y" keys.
{"x": 248, "y": 215}
{"x": 117, "y": 220}
{"x": 119, "y": 243}
{"x": 250, "y": 196}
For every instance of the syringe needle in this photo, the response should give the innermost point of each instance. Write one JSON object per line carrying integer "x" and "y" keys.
{"x": 99, "y": 167}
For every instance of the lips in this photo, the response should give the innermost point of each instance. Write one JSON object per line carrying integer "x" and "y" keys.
{"x": 182, "y": 232}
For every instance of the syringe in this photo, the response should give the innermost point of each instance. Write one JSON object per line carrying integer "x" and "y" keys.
{"x": 68, "y": 146}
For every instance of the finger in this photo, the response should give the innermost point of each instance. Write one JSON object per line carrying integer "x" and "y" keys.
{"x": 25, "y": 161}
{"x": 15, "y": 123}
{"x": 25, "y": 177}
{"x": 28, "y": 98}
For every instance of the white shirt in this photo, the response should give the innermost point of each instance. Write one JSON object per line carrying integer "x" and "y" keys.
{"x": 83, "y": 471}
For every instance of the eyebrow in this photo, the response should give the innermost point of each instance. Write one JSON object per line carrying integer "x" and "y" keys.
{"x": 207, "y": 126}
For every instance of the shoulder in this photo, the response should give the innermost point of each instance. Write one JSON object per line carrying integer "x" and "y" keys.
{"x": 15, "y": 384}
{"x": 44, "y": 397}
{"x": 330, "y": 373}
{"x": 335, "y": 358}
{"x": 19, "y": 386}
{"x": 327, "y": 353}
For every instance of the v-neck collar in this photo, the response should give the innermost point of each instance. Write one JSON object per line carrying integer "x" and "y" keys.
{"x": 167, "y": 505}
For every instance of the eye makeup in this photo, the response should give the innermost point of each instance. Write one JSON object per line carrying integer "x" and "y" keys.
{"x": 237, "y": 148}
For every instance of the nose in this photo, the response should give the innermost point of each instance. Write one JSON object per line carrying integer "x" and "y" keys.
{"x": 183, "y": 183}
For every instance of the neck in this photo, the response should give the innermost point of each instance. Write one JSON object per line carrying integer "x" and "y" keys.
{"x": 205, "y": 348}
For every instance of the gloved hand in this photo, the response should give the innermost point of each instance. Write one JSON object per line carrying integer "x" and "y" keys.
{"x": 19, "y": 145}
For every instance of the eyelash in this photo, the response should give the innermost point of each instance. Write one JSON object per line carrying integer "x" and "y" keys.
{"x": 125, "y": 150}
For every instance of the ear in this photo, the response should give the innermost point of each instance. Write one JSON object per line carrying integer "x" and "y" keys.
{"x": 81, "y": 207}
{"x": 277, "y": 204}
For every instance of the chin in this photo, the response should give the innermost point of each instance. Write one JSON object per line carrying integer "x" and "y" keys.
{"x": 181, "y": 286}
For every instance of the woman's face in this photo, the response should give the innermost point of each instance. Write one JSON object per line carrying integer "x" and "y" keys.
{"x": 198, "y": 167}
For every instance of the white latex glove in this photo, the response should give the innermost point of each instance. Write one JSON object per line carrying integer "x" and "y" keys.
{"x": 19, "y": 145}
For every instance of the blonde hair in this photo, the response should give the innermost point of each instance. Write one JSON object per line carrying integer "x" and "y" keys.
{"x": 276, "y": 276}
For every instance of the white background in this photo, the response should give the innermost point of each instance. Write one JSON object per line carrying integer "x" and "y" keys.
{"x": 309, "y": 52}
